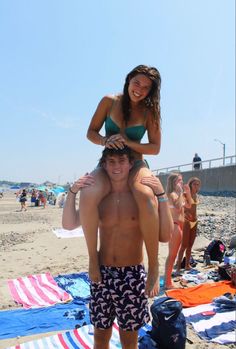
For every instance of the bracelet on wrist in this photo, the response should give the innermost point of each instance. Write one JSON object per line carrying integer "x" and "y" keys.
{"x": 162, "y": 199}
{"x": 161, "y": 194}
{"x": 72, "y": 192}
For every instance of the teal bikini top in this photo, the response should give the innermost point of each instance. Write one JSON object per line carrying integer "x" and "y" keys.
{"x": 134, "y": 133}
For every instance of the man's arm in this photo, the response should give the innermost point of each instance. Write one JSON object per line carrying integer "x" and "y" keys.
{"x": 70, "y": 216}
{"x": 166, "y": 222}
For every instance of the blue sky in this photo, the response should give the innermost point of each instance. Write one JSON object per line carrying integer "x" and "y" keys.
{"x": 59, "y": 58}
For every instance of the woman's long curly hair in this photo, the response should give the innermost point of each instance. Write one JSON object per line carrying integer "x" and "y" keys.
{"x": 191, "y": 180}
{"x": 152, "y": 101}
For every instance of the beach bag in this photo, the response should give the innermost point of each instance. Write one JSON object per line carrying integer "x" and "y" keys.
{"x": 192, "y": 262}
{"x": 227, "y": 272}
{"x": 216, "y": 250}
{"x": 168, "y": 323}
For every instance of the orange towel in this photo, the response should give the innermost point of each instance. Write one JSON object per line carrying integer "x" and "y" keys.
{"x": 201, "y": 294}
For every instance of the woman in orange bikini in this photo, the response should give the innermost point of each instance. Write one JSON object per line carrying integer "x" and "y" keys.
{"x": 126, "y": 118}
{"x": 179, "y": 197}
{"x": 190, "y": 224}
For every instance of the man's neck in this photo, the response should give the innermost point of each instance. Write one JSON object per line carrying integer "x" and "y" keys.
{"x": 117, "y": 187}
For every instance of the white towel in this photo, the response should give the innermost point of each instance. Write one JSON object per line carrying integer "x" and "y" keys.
{"x": 63, "y": 233}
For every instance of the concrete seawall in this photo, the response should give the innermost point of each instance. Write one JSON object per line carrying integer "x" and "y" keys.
{"x": 214, "y": 180}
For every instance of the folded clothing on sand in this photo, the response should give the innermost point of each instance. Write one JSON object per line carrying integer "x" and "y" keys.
{"x": 37, "y": 290}
{"x": 77, "y": 285}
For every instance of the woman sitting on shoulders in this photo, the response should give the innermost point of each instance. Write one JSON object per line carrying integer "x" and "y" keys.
{"x": 126, "y": 118}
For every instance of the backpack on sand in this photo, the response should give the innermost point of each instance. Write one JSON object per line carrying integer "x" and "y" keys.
{"x": 216, "y": 250}
{"x": 168, "y": 324}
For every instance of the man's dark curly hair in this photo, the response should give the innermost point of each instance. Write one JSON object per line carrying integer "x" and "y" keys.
{"x": 152, "y": 101}
{"x": 119, "y": 152}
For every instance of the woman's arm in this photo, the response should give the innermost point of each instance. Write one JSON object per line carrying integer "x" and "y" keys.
{"x": 70, "y": 216}
{"x": 188, "y": 197}
{"x": 98, "y": 120}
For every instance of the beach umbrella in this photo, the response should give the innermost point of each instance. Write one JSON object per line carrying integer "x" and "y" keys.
{"x": 15, "y": 187}
{"x": 41, "y": 187}
{"x": 58, "y": 190}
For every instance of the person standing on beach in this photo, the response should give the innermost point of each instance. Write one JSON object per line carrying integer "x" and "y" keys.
{"x": 126, "y": 118}
{"x": 190, "y": 224}
{"x": 23, "y": 200}
{"x": 179, "y": 197}
{"x": 197, "y": 162}
{"x": 121, "y": 292}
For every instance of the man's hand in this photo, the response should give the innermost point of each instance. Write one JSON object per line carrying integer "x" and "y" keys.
{"x": 82, "y": 182}
{"x": 154, "y": 183}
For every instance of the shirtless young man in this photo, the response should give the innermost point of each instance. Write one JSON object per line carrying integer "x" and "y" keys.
{"x": 121, "y": 293}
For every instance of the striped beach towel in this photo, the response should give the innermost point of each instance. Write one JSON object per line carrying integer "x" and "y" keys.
{"x": 39, "y": 290}
{"x": 79, "y": 339}
{"x": 218, "y": 327}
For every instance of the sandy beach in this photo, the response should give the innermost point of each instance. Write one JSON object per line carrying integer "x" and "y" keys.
{"x": 28, "y": 246}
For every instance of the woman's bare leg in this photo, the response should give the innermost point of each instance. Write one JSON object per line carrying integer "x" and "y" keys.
{"x": 174, "y": 245}
{"x": 90, "y": 197}
{"x": 184, "y": 244}
{"x": 192, "y": 236}
{"x": 149, "y": 225}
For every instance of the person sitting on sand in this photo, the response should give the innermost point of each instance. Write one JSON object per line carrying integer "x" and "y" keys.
{"x": 190, "y": 224}
{"x": 122, "y": 291}
{"x": 179, "y": 197}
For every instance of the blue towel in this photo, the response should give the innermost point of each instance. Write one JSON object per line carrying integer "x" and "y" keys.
{"x": 22, "y": 322}
{"x": 77, "y": 285}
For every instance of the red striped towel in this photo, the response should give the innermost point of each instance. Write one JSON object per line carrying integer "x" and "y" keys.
{"x": 35, "y": 291}
{"x": 82, "y": 338}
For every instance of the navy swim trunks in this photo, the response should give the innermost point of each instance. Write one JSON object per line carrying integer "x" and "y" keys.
{"x": 121, "y": 295}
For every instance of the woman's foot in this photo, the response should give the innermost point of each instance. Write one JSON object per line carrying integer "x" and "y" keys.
{"x": 170, "y": 287}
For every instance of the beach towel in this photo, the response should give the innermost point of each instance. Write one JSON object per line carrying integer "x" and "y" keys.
{"x": 63, "y": 233}
{"x": 81, "y": 338}
{"x": 77, "y": 285}
{"x": 59, "y": 317}
{"x": 201, "y": 294}
{"x": 39, "y": 290}
{"x": 218, "y": 327}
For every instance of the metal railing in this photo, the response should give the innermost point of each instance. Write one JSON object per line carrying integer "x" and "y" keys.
{"x": 218, "y": 162}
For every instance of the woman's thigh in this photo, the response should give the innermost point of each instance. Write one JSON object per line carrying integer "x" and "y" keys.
{"x": 101, "y": 186}
{"x": 135, "y": 176}
{"x": 186, "y": 235}
{"x": 175, "y": 240}
{"x": 192, "y": 236}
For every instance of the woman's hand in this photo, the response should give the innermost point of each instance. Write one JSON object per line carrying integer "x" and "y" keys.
{"x": 82, "y": 182}
{"x": 186, "y": 189}
{"x": 116, "y": 141}
{"x": 179, "y": 189}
